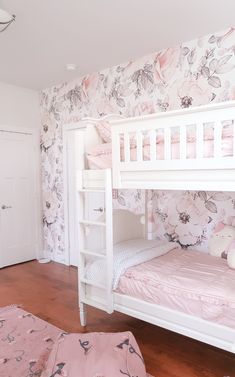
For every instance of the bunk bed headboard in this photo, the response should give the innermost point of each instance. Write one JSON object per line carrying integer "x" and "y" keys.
{"x": 85, "y": 136}
{"x": 127, "y": 225}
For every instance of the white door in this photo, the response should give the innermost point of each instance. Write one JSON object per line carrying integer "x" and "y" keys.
{"x": 17, "y": 199}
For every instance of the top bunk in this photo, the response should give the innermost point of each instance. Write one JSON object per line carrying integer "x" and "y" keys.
{"x": 191, "y": 149}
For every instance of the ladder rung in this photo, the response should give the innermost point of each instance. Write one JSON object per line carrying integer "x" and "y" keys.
{"x": 96, "y": 223}
{"x": 93, "y": 253}
{"x": 93, "y": 283}
{"x": 91, "y": 190}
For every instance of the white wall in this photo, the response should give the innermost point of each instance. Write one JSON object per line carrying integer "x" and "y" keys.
{"x": 19, "y": 108}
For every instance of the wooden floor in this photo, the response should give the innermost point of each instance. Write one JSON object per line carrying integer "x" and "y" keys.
{"x": 50, "y": 292}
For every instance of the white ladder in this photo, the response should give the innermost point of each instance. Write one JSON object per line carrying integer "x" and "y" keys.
{"x": 90, "y": 292}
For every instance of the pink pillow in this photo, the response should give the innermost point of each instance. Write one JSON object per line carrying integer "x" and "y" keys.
{"x": 231, "y": 255}
{"x": 104, "y": 130}
{"x": 100, "y": 150}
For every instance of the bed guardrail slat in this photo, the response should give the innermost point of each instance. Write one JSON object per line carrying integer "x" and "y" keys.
{"x": 152, "y": 136}
{"x": 118, "y": 146}
{"x": 167, "y": 143}
{"x": 127, "y": 147}
{"x": 199, "y": 140}
{"x": 233, "y": 128}
{"x": 139, "y": 144}
{"x": 217, "y": 139}
{"x": 162, "y": 170}
{"x": 183, "y": 142}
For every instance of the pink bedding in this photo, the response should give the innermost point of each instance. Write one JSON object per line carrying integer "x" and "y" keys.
{"x": 100, "y": 157}
{"x": 188, "y": 281}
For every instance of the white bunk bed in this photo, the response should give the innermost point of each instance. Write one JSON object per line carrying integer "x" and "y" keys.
{"x": 216, "y": 173}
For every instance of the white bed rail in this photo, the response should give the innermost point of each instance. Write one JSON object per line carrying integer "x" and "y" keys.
{"x": 153, "y": 151}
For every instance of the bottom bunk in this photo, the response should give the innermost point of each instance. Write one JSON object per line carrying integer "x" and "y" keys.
{"x": 188, "y": 281}
{"x": 188, "y": 292}
{"x": 185, "y": 291}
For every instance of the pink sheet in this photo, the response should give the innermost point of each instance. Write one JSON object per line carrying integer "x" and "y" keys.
{"x": 100, "y": 157}
{"x": 188, "y": 281}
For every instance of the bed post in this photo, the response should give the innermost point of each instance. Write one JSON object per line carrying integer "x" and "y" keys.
{"x": 146, "y": 214}
{"x": 83, "y": 314}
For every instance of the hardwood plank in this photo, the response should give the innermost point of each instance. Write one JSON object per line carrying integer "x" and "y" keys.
{"x": 50, "y": 292}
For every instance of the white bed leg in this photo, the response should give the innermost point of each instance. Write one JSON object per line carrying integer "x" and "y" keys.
{"x": 83, "y": 314}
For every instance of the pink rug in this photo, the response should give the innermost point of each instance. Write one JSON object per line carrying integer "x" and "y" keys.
{"x": 31, "y": 347}
{"x": 25, "y": 343}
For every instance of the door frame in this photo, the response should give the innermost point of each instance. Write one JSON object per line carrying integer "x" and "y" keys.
{"x": 86, "y": 137}
{"x": 79, "y": 127}
{"x": 36, "y": 180}
{"x": 68, "y": 172}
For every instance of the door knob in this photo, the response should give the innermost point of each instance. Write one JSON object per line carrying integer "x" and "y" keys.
{"x": 5, "y": 207}
{"x": 100, "y": 209}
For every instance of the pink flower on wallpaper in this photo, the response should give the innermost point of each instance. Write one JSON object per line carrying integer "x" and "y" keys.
{"x": 190, "y": 92}
{"x": 166, "y": 64}
{"x": 144, "y": 108}
{"x": 90, "y": 84}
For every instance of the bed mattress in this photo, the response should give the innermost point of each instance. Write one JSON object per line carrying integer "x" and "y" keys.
{"x": 188, "y": 281}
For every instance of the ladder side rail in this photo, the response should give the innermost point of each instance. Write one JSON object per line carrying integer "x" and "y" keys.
{"x": 81, "y": 257}
{"x": 109, "y": 239}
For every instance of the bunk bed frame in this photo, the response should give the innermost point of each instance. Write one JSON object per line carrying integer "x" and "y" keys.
{"x": 213, "y": 174}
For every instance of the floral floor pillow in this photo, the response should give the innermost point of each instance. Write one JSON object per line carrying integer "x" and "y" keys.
{"x": 31, "y": 347}
{"x": 96, "y": 355}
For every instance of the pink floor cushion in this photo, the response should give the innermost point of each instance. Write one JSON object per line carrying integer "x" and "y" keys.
{"x": 96, "y": 355}
{"x": 32, "y": 347}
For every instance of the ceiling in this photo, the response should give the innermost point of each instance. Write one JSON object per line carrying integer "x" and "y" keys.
{"x": 96, "y": 34}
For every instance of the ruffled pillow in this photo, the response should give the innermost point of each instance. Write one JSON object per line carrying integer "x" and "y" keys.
{"x": 221, "y": 240}
{"x": 104, "y": 130}
{"x": 231, "y": 255}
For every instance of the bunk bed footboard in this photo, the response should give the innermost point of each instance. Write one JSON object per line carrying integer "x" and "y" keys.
{"x": 194, "y": 327}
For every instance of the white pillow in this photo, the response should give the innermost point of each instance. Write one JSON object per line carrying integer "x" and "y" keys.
{"x": 221, "y": 240}
{"x": 135, "y": 245}
{"x": 231, "y": 256}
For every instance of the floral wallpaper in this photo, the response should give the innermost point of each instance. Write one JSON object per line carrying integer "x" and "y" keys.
{"x": 189, "y": 217}
{"x": 191, "y": 74}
